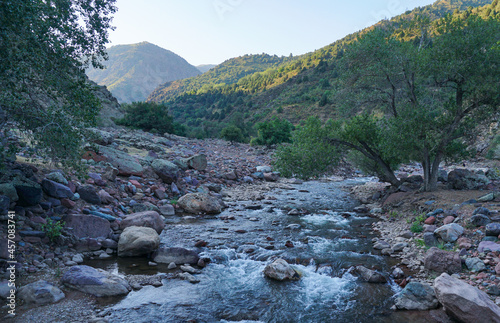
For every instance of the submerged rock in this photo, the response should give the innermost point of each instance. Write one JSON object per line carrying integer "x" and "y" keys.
{"x": 370, "y": 276}
{"x": 280, "y": 270}
{"x": 178, "y": 256}
{"x": 94, "y": 281}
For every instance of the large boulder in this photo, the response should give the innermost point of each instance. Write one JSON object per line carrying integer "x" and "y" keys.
{"x": 464, "y": 179}
{"x": 94, "y": 281}
{"x": 485, "y": 246}
{"x": 464, "y": 302}
{"x": 89, "y": 194}
{"x": 449, "y": 232}
{"x": 368, "y": 275}
{"x": 280, "y": 270}
{"x": 101, "y": 137}
{"x": 442, "y": 261}
{"x": 137, "y": 241}
{"x": 198, "y": 162}
{"x": 167, "y": 171}
{"x": 57, "y": 190}
{"x": 126, "y": 164}
{"x": 57, "y": 177}
{"x": 416, "y": 296}
{"x": 179, "y": 256}
{"x": 197, "y": 203}
{"x": 150, "y": 219}
{"x": 493, "y": 229}
{"x": 29, "y": 192}
{"x": 9, "y": 190}
{"x": 40, "y": 292}
{"x": 87, "y": 226}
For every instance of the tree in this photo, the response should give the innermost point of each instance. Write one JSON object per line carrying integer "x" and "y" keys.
{"x": 149, "y": 116}
{"x": 273, "y": 132}
{"x": 232, "y": 134}
{"x": 45, "y": 47}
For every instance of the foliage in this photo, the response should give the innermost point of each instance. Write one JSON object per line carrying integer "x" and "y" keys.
{"x": 53, "y": 229}
{"x": 149, "y": 116}
{"x": 309, "y": 154}
{"x": 273, "y": 132}
{"x": 416, "y": 227}
{"x": 45, "y": 47}
{"x": 232, "y": 133}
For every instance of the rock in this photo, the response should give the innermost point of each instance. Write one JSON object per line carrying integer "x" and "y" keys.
{"x": 137, "y": 241}
{"x": 88, "y": 226}
{"x": 68, "y": 203}
{"x": 449, "y": 219}
{"x": 482, "y": 210}
{"x": 449, "y": 232}
{"x": 442, "y": 175}
{"x": 9, "y": 190}
{"x": 271, "y": 177}
{"x": 89, "y": 194}
{"x": 464, "y": 179}
{"x": 442, "y": 261}
{"x": 430, "y": 220}
{"x": 464, "y": 302}
{"x": 280, "y": 270}
{"x": 231, "y": 175}
{"x": 399, "y": 246}
{"x": 126, "y": 164}
{"x": 464, "y": 243}
{"x": 5, "y": 289}
{"x": 167, "y": 210}
{"x": 479, "y": 220}
{"x": 40, "y": 292}
{"x": 493, "y": 229}
{"x": 398, "y": 273}
{"x": 264, "y": 169}
{"x": 105, "y": 197}
{"x": 4, "y": 204}
{"x": 103, "y": 215}
{"x": 475, "y": 264}
{"x": 200, "y": 203}
{"x": 78, "y": 258}
{"x": 172, "y": 265}
{"x": 167, "y": 171}
{"x": 198, "y": 162}
{"x": 430, "y": 239}
{"x": 93, "y": 281}
{"x": 416, "y": 296}
{"x": 101, "y": 137}
{"x": 190, "y": 278}
{"x": 488, "y": 245}
{"x": 368, "y": 275}
{"x": 189, "y": 269}
{"x": 29, "y": 192}
{"x": 150, "y": 219}
{"x": 486, "y": 198}
{"x": 497, "y": 269}
{"x": 57, "y": 177}
{"x": 381, "y": 244}
{"x": 178, "y": 256}
{"x": 56, "y": 190}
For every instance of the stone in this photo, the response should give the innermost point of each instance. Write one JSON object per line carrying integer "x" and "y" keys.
{"x": 189, "y": 269}
{"x": 78, "y": 258}
{"x": 464, "y": 243}
{"x": 475, "y": 264}
{"x": 29, "y": 192}
{"x": 68, "y": 203}
{"x": 370, "y": 276}
{"x": 464, "y": 302}
{"x": 150, "y": 219}
{"x": 430, "y": 239}
{"x": 190, "y": 278}
{"x": 39, "y": 293}
{"x": 172, "y": 265}
{"x": 101, "y": 137}
{"x": 105, "y": 197}
{"x": 178, "y": 256}
{"x": 9, "y": 190}
{"x": 197, "y": 203}
{"x": 399, "y": 246}
{"x": 479, "y": 220}
{"x": 271, "y": 177}
{"x": 449, "y": 219}
{"x": 5, "y": 288}
{"x": 89, "y": 194}
{"x": 280, "y": 270}
{"x": 442, "y": 261}
{"x": 126, "y": 164}
{"x": 398, "y": 273}
{"x": 381, "y": 244}
{"x": 482, "y": 210}
{"x": 57, "y": 177}
{"x": 87, "y": 226}
{"x": 167, "y": 171}
{"x": 94, "y": 281}
{"x": 488, "y": 245}
{"x": 167, "y": 210}
{"x": 486, "y": 198}
{"x": 231, "y": 175}
{"x": 430, "y": 220}
{"x": 493, "y": 229}
{"x": 449, "y": 232}
{"x": 56, "y": 190}
{"x": 264, "y": 169}
{"x": 137, "y": 241}
{"x": 416, "y": 296}
{"x": 464, "y": 179}
{"x": 198, "y": 162}
{"x": 4, "y": 204}
{"x": 103, "y": 215}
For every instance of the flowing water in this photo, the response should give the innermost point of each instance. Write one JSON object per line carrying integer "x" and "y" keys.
{"x": 326, "y": 243}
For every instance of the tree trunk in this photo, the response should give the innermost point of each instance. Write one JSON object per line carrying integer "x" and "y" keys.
{"x": 387, "y": 174}
{"x": 431, "y": 171}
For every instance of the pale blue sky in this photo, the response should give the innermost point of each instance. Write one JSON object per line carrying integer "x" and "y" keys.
{"x": 211, "y": 31}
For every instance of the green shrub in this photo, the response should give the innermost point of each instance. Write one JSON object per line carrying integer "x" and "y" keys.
{"x": 416, "y": 227}
{"x": 232, "y": 133}
{"x": 53, "y": 229}
{"x": 273, "y": 132}
{"x": 151, "y": 117}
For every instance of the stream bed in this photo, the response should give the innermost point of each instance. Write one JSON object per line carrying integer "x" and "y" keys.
{"x": 322, "y": 245}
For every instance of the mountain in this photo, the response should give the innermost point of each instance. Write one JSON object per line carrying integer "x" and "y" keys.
{"x": 205, "y": 67}
{"x": 240, "y": 92}
{"x": 134, "y": 71}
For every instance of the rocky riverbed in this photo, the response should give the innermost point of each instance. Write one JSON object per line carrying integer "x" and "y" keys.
{"x": 154, "y": 213}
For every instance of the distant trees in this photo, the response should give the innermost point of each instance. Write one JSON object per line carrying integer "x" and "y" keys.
{"x": 272, "y": 132}
{"x": 151, "y": 117}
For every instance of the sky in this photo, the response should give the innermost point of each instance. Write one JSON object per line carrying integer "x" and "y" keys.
{"x": 212, "y": 31}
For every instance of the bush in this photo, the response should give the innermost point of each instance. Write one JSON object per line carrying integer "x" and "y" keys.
{"x": 53, "y": 229}
{"x": 151, "y": 117}
{"x": 273, "y": 132}
{"x": 232, "y": 133}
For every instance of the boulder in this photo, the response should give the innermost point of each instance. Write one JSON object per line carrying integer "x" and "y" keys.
{"x": 167, "y": 210}
{"x": 416, "y": 296}
{"x": 57, "y": 177}
{"x": 96, "y": 282}
{"x": 178, "y": 256}
{"x": 126, "y": 164}
{"x": 381, "y": 244}
{"x": 271, "y": 177}
{"x": 368, "y": 275}
{"x": 475, "y": 264}
{"x": 4, "y": 204}
{"x": 464, "y": 179}
{"x": 449, "y": 232}
{"x": 484, "y": 246}
{"x": 493, "y": 229}
{"x": 197, "y": 203}
{"x": 264, "y": 169}
{"x": 137, "y": 241}
{"x": 101, "y": 137}
{"x": 9, "y": 190}
{"x": 464, "y": 302}
{"x": 105, "y": 197}
{"x": 56, "y": 190}
{"x": 29, "y": 192}
{"x": 430, "y": 239}
{"x": 150, "y": 219}
{"x": 89, "y": 194}
{"x": 479, "y": 220}
{"x": 280, "y": 270}
{"x": 198, "y": 162}
{"x": 167, "y": 171}
{"x": 39, "y": 293}
{"x": 442, "y": 261}
{"x": 87, "y": 226}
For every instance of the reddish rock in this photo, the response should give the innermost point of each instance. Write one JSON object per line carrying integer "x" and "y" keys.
{"x": 200, "y": 243}
{"x": 289, "y": 244}
{"x": 72, "y": 186}
{"x": 430, "y": 220}
{"x": 449, "y": 219}
{"x": 442, "y": 261}
{"x": 135, "y": 183}
{"x": 464, "y": 243}
{"x": 68, "y": 203}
